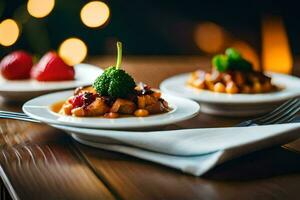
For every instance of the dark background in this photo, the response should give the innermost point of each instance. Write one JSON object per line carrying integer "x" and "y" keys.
{"x": 149, "y": 27}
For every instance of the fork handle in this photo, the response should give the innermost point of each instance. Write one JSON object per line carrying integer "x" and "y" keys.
{"x": 246, "y": 123}
{"x": 27, "y": 119}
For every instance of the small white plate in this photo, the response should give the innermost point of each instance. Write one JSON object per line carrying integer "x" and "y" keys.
{"x": 21, "y": 90}
{"x": 40, "y": 109}
{"x": 234, "y": 104}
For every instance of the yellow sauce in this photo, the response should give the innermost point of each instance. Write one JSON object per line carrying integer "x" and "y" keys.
{"x": 57, "y": 106}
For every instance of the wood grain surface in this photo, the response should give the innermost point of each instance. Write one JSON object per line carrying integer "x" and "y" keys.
{"x": 39, "y": 162}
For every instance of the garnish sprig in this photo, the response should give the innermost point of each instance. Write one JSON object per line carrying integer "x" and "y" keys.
{"x": 114, "y": 81}
{"x": 119, "y": 55}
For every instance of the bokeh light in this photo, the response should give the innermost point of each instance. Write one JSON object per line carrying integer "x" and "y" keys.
{"x": 72, "y": 51}
{"x": 210, "y": 37}
{"x": 276, "y": 52}
{"x": 40, "y": 8}
{"x": 94, "y": 14}
{"x": 248, "y": 52}
{"x": 9, "y": 32}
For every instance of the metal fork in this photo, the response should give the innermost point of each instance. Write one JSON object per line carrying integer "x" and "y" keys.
{"x": 17, "y": 116}
{"x": 283, "y": 114}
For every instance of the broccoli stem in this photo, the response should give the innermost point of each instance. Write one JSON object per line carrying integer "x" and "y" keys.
{"x": 119, "y": 55}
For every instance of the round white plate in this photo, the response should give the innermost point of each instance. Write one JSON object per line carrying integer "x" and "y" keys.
{"x": 85, "y": 74}
{"x": 234, "y": 104}
{"x": 39, "y": 108}
{"x": 176, "y": 85}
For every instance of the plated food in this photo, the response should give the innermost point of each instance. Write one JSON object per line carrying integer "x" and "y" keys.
{"x": 113, "y": 101}
{"x": 51, "y": 67}
{"x": 114, "y": 94}
{"x": 22, "y": 79}
{"x": 41, "y": 108}
{"x": 19, "y": 65}
{"x": 21, "y": 90}
{"x": 233, "y": 90}
{"x": 16, "y": 66}
{"x": 232, "y": 74}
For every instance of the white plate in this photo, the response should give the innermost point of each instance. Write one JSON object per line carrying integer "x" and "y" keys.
{"x": 39, "y": 108}
{"x": 234, "y": 104}
{"x": 85, "y": 74}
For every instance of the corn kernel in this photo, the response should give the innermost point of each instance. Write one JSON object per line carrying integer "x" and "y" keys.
{"x": 231, "y": 88}
{"x": 219, "y": 87}
{"x": 141, "y": 113}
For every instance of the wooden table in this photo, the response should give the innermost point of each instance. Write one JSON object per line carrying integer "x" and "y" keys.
{"x": 39, "y": 162}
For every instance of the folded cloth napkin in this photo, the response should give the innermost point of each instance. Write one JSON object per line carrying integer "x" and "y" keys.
{"x": 193, "y": 151}
{"x": 195, "y": 165}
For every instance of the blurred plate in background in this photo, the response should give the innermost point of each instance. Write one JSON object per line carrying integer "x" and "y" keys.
{"x": 85, "y": 74}
{"x": 234, "y": 104}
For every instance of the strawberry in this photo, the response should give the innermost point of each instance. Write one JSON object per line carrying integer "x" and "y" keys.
{"x": 16, "y": 65}
{"x": 52, "y": 68}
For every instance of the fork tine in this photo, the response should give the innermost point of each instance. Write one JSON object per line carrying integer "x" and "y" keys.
{"x": 281, "y": 107}
{"x": 280, "y": 116}
{"x": 291, "y": 119}
{"x": 278, "y": 111}
{"x": 289, "y": 116}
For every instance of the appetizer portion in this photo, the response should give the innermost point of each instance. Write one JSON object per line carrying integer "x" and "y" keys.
{"x": 19, "y": 65}
{"x": 231, "y": 73}
{"x": 16, "y": 65}
{"x": 51, "y": 67}
{"x": 113, "y": 94}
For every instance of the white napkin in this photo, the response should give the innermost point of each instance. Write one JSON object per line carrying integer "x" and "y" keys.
{"x": 193, "y": 151}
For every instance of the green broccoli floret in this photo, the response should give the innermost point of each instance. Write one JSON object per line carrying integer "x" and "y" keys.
{"x": 115, "y": 82}
{"x": 233, "y": 54}
{"x": 121, "y": 84}
{"x": 101, "y": 84}
{"x": 220, "y": 62}
{"x": 232, "y": 60}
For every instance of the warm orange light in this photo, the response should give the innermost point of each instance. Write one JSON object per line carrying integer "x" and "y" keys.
{"x": 94, "y": 14}
{"x": 9, "y": 32}
{"x": 73, "y": 51}
{"x": 276, "y": 53}
{"x": 247, "y": 52}
{"x": 40, "y": 8}
{"x": 209, "y": 37}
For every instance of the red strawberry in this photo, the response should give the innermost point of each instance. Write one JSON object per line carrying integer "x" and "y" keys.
{"x": 16, "y": 65}
{"x": 52, "y": 68}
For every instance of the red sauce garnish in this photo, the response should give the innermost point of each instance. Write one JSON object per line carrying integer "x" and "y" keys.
{"x": 83, "y": 100}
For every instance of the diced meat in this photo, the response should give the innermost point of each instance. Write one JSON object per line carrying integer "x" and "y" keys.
{"x": 123, "y": 106}
{"x": 156, "y": 108}
{"x": 97, "y": 107}
{"x": 151, "y": 103}
{"x": 66, "y": 109}
{"x": 78, "y": 112}
{"x": 86, "y": 102}
{"x": 145, "y": 100}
